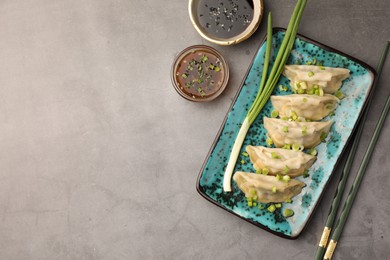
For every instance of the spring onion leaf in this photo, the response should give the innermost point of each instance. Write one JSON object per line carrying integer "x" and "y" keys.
{"x": 267, "y": 85}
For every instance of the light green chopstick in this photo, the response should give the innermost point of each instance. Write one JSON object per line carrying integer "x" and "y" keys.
{"x": 355, "y": 186}
{"x": 347, "y": 167}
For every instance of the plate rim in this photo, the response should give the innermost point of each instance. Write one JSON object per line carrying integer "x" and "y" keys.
{"x": 369, "y": 95}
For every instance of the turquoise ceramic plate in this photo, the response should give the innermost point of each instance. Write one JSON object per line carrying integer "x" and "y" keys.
{"x": 357, "y": 89}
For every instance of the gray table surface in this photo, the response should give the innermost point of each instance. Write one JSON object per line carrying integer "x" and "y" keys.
{"x": 100, "y": 156}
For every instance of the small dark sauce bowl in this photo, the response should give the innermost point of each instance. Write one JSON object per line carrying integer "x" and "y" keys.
{"x": 220, "y": 17}
{"x": 217, "y": 89}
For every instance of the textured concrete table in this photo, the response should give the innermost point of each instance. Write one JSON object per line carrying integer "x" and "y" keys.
{"x": 99, "y": 155}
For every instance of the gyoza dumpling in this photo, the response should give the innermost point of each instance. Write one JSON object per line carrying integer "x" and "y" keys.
{"x": 306, "y": 76}
{"x": 280, "y": 161}
{"x": 307, "y": 134}
{"x": 267, "y": 188}
{"x": 311, "y": 107}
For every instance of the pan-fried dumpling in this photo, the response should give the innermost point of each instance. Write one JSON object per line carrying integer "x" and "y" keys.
{"x": 307, "y": 76}
{"x": 308, "y": 106}
{"x": 280, "y": 161}
{"x": 307, "y": 134}
{"x": 267, "y": 188}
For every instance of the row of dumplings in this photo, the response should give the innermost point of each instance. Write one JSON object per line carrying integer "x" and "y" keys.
{"x": 298, "y": 128}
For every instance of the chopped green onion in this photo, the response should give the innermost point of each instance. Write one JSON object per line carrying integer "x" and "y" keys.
{"x": 285, "y": 88}
{"x": 310, "y": 74}
{"x": 294, "y": 115}
{"x": 286, "y": 146}
{"x": 304, "y": 99}
{"x": 269, "y": 141}
{"x": 317, "y": 92}
{"x": 313, "y": 151}
{"x": 322, "y": 68}
{"x": 316, "y": 87}
{"x": 271, "y": 208}
{"x": 296, "y": 147}
{"x": 255, "y": 197}
{"x": 275, "y": 155}
{"x": 286, "y": 178}
{"x": 250, "y": 203}
{"x": 217, "y": 68}
{"x": 266, "y": 85}
{"x": 261, "y": 206}
{"x": 314, "y": 61}
{"x": 339, "y": 94}
{"x": 285, "y": 129}
{"x": 252, "y": 191}
{"x": 285, "y": 118}
{"x": 278, "y": 177}
{"x": 204, "y": 58}
{"x": 331, "y": 114}
{"x": 201, "y": 91}
{"x": 274, "y": 189}
{"x": 287, "y": 213}
{"x": 184, "y": 75}
{"x": 242, "y": 161}
{"x": 265, "y": 171}
{"x": 259, "y": 171}
{"x": 306, "y": 174}
{"x": 286, "y": 169}
{"x": 274, "y": 114}
{"x": 245, "y": 154}
{"x": 254, "y": 204}
{"x": 308, "y": 63}
{"x": 278, "y": 205}
{"x": 288, "y": 201}
{"x": 280, "y": 88}
{"x": 323, "y": 136}
{"x": 249, "y": 199}
{"x": 310, "y": 91}
{"x": 300, "y": 91}
{"x": 304, "y": 130}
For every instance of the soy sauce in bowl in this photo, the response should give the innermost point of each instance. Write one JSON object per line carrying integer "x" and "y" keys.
{"x": 225, "y": 22}
{"x": 199, "y": 73}
{"x": 225, "y": 18}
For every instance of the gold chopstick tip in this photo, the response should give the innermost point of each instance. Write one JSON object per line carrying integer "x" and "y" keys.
{"x": 324, "y": 237}
{"x": 330, "y": 250}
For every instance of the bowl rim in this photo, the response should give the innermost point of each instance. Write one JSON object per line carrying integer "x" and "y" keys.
{"x": 179, "y": 58}
{"x": 258, "y": 8}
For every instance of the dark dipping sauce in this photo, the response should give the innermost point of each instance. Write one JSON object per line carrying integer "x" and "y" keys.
{"x": 225, "y": 18}
{"x": 200, "y": 74}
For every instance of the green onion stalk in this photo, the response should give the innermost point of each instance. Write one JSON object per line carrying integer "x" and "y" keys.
{"x": 267, "y": 85}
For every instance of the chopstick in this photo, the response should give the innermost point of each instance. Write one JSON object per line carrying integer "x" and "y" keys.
{"x": 347, "y": 167}
{"x": 358, "y": 179}
{"x": 355, "y": 186}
